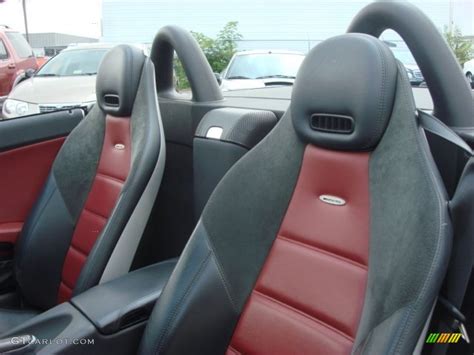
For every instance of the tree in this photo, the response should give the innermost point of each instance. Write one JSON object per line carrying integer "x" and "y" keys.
{"x": 225, "y": 46}
{"x": 461, "y": 47}
{"x": 218, "y": 51}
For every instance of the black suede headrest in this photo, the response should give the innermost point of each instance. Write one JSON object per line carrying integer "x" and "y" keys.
{"x": 344, "y": 92}
{"x": 117, "y": 79}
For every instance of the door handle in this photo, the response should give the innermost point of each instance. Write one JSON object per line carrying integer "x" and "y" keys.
{"x": 11, "y": 66}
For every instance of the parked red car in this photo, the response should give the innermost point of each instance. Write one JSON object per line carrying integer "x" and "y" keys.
{"x": 16, "y": 56}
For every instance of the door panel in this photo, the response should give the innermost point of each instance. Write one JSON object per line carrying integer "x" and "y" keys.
{"x": 23, "y": 173}
{"x": 28, "y": 147}
{"x": 22, "y": 131}
{"x": 10, "y": 231}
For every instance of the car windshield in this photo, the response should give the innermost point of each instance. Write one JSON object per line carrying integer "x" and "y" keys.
{"x": 22, "y": 48}
{"x": 264, "y": 65}
{"x": 404, "y": 56}
{"x": 74, "y": 63}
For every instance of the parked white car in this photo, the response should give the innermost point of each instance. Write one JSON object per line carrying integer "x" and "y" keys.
{"x": 260, "y": 68}
{"x": 65, "y": 81}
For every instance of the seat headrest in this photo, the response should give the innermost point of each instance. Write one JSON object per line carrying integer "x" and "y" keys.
{"x": 118, "y": 78}
{"x": 344, "y": 92}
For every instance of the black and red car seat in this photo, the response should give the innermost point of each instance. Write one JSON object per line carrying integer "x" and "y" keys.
{"x": 331, "y": 236}
{"x": 86, "y": 224}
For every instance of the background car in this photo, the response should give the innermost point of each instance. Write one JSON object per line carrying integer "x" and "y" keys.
{"x": 413, "y": 71}
{"x": 16, "y": 56}
{"x": 65, "y": 81}
{"x": 468, "y": 69}
{"x": 42, "y": 61}
{"x": 261, "y": 68}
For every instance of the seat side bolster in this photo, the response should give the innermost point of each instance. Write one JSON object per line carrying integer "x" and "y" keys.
{"x": 411, "y": 234}
{"x": 50, "y": 224}
{"x": 147, "y": 158}
{"x": 194, "y": 305}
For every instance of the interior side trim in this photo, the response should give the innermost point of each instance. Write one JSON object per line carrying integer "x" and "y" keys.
{"x": 9, "y": 232}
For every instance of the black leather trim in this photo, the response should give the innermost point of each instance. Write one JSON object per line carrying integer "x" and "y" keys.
{"x": 42, "y": 247}
{"x": 11, "y": 318}
{"x": 360, "y": 85}
{"x": 127, "y": 300}
{"x": 196, "y": 285}
{"x": 23, "y": 131}
{"x": 118, "y": 78}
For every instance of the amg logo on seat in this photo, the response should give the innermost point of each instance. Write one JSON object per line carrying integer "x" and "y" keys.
{"x": 332, "y": 200}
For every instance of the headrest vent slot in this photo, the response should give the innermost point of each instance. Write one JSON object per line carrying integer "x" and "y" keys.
{"x": 330, "y": 123}
{"x": 112, "y": 100}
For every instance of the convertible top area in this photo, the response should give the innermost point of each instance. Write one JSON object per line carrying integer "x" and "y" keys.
{"x": 279, "y": 98}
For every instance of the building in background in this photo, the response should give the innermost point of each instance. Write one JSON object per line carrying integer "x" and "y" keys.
{"x": 293, "y": 25}
{"x": 49, "y": 44}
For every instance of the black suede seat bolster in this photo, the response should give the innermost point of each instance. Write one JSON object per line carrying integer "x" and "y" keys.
{"x": 410, "y": 234}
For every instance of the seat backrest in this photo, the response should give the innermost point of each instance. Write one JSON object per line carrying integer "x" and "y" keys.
{"x": 86, "y": 224}
{"x": 331, "y": 236}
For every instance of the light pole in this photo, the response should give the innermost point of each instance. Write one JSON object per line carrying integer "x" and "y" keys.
{"x": 451, "y": 16}
{"x": 25, "y": 18}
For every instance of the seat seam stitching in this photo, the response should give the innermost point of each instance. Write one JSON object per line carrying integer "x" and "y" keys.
{"x": 110, "y": 177}
{"x": 428, "y": 178}
{"x": 38, "y": 217}
{"x": 234, "y": 350}
{"x": 323, "y": 251}
{"x": 78, "y": 249}
{"x": 95, "y": 213}
{"x": 220, "y": 270}
{"x": 370, "y": 334}
{"x": 306, "y": 315}
{"x": 173, "y": 314}
{"x": 65, "y": 284}
{"x": 381, "y": 103}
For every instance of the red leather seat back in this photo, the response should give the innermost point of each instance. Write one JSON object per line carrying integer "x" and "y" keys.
{"x": 312, "y": 286}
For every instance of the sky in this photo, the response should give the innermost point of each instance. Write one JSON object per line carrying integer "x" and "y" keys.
{"x": 138, "y": 20}
{"x": 77, "y": 17}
